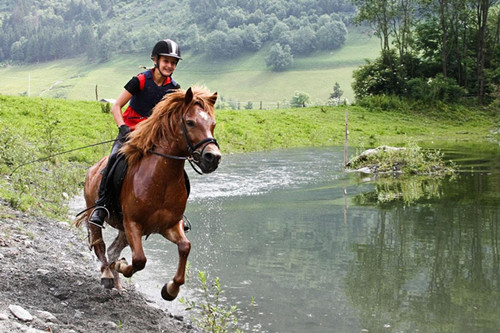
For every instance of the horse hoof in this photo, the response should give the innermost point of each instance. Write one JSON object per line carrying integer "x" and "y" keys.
{"x": 166, "y": 295}
{"x": 117, "y": 265}
{"x": 108, "y": 283}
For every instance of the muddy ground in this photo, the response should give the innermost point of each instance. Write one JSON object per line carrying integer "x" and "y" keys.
{"x": 47, "y": 270}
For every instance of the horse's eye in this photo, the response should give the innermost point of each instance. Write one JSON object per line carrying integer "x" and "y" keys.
{"x": 190, "y": 123}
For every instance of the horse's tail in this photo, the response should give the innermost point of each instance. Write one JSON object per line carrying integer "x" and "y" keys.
{"x": 82, "y": 217}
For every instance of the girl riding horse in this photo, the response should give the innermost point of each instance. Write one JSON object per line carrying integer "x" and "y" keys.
{"x": 153, "y": 195}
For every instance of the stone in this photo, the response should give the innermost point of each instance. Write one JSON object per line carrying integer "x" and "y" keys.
{"x": 47, "y": 316}
{"x": 20, "y": 313}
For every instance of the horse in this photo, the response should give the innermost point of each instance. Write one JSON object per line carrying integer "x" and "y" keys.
{"x": 154, "y": 190}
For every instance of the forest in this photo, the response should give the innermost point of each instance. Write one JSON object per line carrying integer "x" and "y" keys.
{"x": 432, "y": 50}
{"x": 36, "y": 30}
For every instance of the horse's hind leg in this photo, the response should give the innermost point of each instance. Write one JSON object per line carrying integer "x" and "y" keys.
{"x": 176, "y": 235}
{"x": 114, "y": 251}
{"x": 97, "y": 243}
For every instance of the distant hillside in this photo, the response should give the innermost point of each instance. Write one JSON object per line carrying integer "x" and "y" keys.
{"x": 64, "y": 49}
{"x": 241, "y": 79}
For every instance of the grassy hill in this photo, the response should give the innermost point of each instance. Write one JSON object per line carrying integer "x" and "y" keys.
{"x": 243, "y": 79}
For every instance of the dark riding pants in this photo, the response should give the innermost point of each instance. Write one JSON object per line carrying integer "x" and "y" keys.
{"x": 103, "y": 186}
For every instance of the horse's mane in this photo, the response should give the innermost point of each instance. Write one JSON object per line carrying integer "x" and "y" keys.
{"x": 164, "y": 123}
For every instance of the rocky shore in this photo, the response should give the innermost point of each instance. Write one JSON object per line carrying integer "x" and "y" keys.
{"x": 49, "y": 282}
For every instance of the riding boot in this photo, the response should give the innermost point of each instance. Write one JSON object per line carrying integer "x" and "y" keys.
{"x": 100, "y": 211}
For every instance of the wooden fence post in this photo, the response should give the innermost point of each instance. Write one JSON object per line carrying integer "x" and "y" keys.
{"x": 346, "y": 137}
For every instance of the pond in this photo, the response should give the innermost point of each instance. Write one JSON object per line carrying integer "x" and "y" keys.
{"x": 300, "y": 245}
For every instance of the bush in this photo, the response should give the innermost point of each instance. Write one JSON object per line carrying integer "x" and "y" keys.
{"x": 384, "y": 103}
{"x": 300, "y": 99}
{"x": 382, "y": 77}
{"x": 445, "y": 89}
{"x": 433, "y": 90}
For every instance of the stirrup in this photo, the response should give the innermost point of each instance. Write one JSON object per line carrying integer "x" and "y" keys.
{"x": 187, "y": 223}
{"x": 104, "y": 220}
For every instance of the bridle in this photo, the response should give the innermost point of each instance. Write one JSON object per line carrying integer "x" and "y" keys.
{"x": 194, "y": 154}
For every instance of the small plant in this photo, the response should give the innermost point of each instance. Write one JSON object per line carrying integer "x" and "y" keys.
{"x": 106, "y": 107}
{"x": 51, "y": 131}
{"x": 215, "y": 317}
{"x": 411, "y": 160}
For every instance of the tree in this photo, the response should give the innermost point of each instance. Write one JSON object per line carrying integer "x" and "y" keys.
{"x": 331, "y": 35}
{"x": 304, "y": 41}
{"x": 483, "y": 8}
{"x": 18, "y": 49}
{"x": 281, "y": 34}
{"x": 279, "y": 58}
{"x": 377, "y": 14}
{"x": 224, "y": 45}
{"x": 337, "y": 92}
{"x": 300, "y": 99}
{"x": 252, "y": 39}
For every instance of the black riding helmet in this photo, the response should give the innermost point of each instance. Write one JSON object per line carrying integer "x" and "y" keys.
{"x": 166, "y": 47}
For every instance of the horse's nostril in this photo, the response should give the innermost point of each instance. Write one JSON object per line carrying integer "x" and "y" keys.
{"x": 211, "y": 158}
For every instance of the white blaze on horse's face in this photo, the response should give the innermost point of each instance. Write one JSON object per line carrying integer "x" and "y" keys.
{"x": 200, "y": 127}
{"x": 203, "y": 114}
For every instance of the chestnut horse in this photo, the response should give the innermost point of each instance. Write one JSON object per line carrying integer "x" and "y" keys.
{"x": 154, "y": 194}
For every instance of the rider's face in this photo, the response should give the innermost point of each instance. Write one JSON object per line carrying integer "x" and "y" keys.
{"x": 167, "y": 65}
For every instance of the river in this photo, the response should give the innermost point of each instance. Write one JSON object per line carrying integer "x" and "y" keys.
{"x": 300, "y": 245}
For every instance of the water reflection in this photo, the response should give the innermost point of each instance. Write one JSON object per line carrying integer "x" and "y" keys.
{"x": 321, "y": 251}
{"x": 431, "y": 266}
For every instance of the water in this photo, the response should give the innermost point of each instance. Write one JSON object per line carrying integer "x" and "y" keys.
{"x": 301, "y": 246}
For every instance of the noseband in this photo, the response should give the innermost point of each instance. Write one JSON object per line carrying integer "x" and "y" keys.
{"x": 192, "y": 149}
{"x": 194, "y": 155}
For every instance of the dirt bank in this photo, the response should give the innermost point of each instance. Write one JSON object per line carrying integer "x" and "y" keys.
{"x": 47, "y": 270}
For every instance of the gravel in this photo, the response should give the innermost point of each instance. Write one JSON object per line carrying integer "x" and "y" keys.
{"x": 49, "y": 282}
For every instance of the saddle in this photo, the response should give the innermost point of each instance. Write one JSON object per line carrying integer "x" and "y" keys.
{"x": 114, "y": 184}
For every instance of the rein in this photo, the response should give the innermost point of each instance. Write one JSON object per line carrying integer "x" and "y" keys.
{"x": 60, "y": 153}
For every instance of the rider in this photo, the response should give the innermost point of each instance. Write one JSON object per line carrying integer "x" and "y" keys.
{"x": 143, "y": 91}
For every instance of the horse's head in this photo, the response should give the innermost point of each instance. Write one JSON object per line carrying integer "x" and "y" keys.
{"x": 198, "y": 123}
{"x": 181, "y": 124}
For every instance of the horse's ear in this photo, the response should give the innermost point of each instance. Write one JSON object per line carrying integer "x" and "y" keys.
{"x": 189, "y": 96}
{"x": 212, "y": 99}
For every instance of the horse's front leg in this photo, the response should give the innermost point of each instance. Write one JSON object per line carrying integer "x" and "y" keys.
{"x": 176, "y": 235}
{"x": 133, "y": 232}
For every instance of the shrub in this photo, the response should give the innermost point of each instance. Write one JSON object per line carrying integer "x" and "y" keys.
{"x": 445, "y": 89}
{"x": 382, "y": 77}
{"x": 300, "y": 99}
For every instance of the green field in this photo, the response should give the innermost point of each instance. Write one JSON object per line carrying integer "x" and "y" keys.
{"x": 243, "y": 79}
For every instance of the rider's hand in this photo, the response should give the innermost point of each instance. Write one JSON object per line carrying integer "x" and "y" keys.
{"x": 124, "y": 130}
